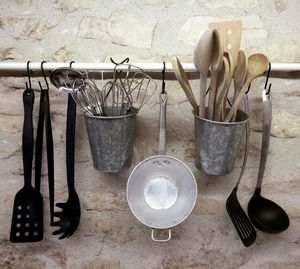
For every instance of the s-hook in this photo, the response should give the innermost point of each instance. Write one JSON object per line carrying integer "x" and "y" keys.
{"x": 163, "y": 79}
{"x": 28, "y": 89}
{"x": 126, "y": 60}
{"x": 70, "y": 64}
{"x": 118, "y": 72}
{"x": 266, "y": 83}
{"x": 268, "y": 88}
{"x": 44, "y": 76}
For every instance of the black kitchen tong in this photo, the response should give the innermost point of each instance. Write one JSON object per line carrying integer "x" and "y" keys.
{"x": 27, "y": 217}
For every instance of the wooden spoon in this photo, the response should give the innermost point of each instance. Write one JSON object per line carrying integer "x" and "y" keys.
{"x": 230, "y": 76}
{"x": 229, "y": 57}
{"x": 223, "y": 81}
{"x": 257, "y": 65}
{"x": 184, "y": 82}
{"x": 216, "y": 65}
{"x": 239, "y": 75}
{"x": 203, "y": 54}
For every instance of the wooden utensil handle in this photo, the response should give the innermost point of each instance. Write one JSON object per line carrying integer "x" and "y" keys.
{"x": 202, "y": 96}
{"x": 237, "y": 101}
{"x": 183, "y": 81}
{"x": 212, "y": 95}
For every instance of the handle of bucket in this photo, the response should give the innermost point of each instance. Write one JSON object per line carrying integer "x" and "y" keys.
{"x": 162, "y": 123}
{"x": 161, "y": 240}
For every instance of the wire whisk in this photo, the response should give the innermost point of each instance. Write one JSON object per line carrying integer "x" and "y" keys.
{"x": 116, "y": 98}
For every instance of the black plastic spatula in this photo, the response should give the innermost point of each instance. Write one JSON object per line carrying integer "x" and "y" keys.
{"x": 234, "y": 209}
{"x": 27, "y": 218}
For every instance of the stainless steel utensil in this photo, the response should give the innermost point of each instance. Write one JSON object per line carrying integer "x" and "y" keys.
{"x": 87, "y": 95}
{"x": 116, "y": 100}
{"x": 65, "y": 78}
{"x": 161, "y": 190}
{"x": 84, "y": 91}
{"x": 138, "y": 85}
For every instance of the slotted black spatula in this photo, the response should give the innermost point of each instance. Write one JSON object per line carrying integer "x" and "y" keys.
{"x": 27, "y": 218}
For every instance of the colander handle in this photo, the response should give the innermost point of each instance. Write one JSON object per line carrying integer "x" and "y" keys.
{"x": 162, "y": 124}
{"x": 161, "y": 240}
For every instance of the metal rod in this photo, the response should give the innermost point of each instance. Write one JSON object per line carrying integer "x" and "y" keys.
{"x": 108, "y": 67}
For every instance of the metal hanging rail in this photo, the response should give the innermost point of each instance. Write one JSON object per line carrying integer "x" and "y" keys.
{"x": 14, "y": 67}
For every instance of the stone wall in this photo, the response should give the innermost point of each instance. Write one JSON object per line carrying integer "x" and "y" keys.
{"x": 150, "y": 31}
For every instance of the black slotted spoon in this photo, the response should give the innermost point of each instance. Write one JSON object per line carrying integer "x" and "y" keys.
{"x": 69, "y": 217}
{"x": 234, "y": 209}
{"x": 27, "y": 217}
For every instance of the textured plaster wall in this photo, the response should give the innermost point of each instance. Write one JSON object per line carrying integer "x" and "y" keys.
{"x": 109, "y": 236}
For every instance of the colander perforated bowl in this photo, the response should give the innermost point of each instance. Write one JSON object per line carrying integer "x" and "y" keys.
{"x": 161, "y": 192}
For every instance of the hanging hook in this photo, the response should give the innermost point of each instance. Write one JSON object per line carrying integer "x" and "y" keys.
{"x": 267, "y": 80}
{"x": 44, "y": 76}
{"x": 117, "y": 73}
{"x": 29, "y": 80}
{"x": 266, "y": 83}
{"x": 102, "y": 79}
{"x": 248, "y": 89}
{"x": 163, "y": 78}
{"x": 126, "y": 60}
{"x": 70, "y": 65}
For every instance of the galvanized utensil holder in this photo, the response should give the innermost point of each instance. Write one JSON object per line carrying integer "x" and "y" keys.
{"x": 111, "y": 141}
{"x": 217, "y": 143}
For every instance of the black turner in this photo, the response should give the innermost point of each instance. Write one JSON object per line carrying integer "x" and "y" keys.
{"x": 27, "y": 217}
{"x": 234, "y": 209}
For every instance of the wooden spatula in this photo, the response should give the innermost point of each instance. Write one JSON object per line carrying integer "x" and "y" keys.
{"x": 230, "y": 32}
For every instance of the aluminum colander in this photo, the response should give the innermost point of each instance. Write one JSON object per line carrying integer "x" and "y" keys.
{"x": 161, "y": 190}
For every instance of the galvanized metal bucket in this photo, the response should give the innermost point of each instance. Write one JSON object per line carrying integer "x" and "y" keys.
{"x": 111, "y": 141}
{"x": 217, "y": 143}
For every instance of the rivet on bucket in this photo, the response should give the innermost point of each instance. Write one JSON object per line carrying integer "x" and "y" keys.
{"x": 217, "y": 143}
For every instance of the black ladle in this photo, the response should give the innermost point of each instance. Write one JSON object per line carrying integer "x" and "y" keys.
{"x": 266, "y": 215}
